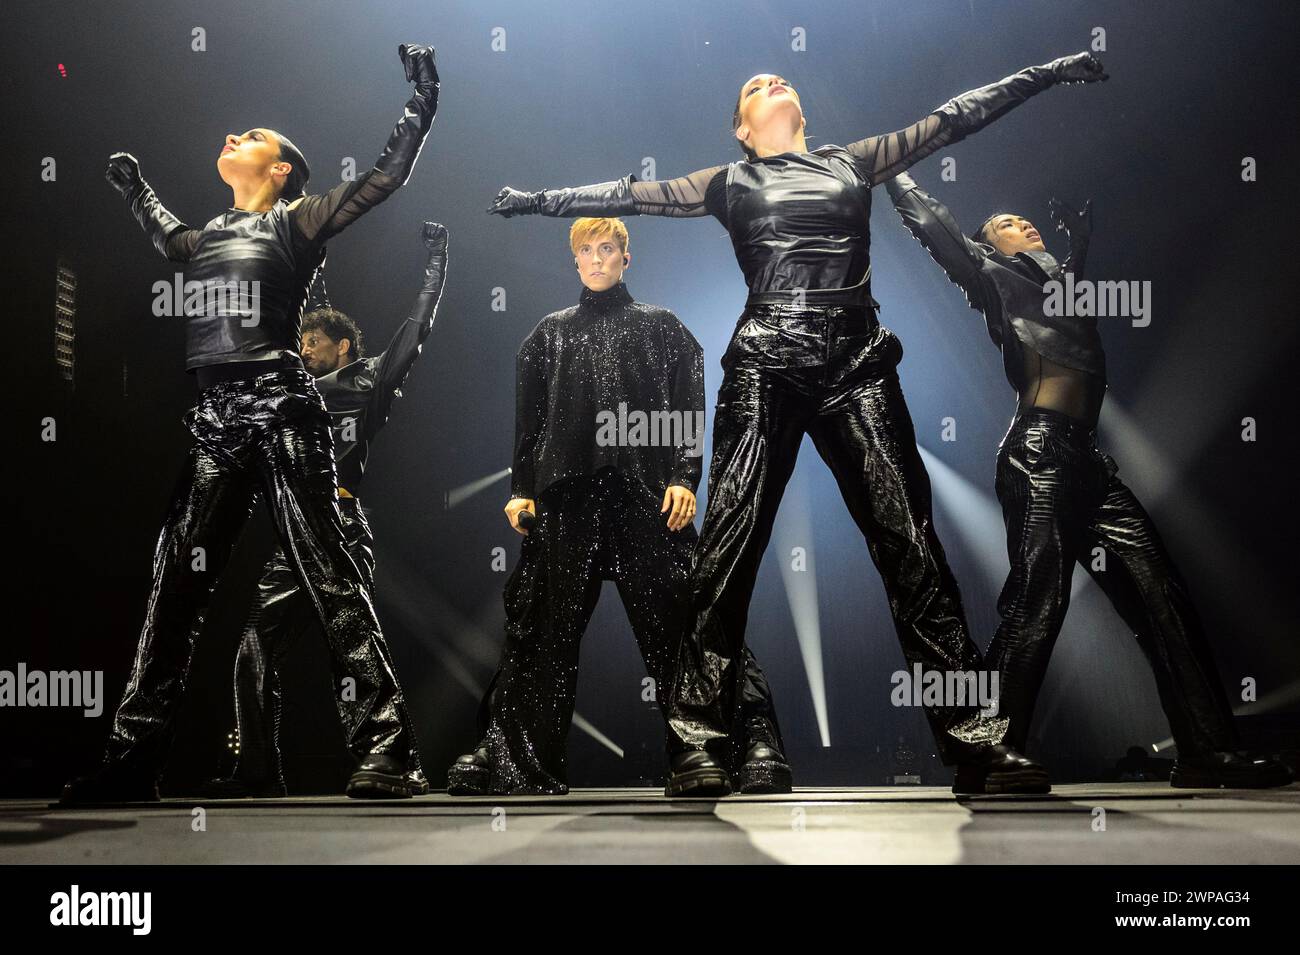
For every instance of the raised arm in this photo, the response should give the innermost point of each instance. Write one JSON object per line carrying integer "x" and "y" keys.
{"x": 678, "y": 198}
{"x": 1077, "y": 225}
{"x": 325, "y": 215}
{"x": 880, "y": 157}
{"x": 392, "y": 367}
{"x": 170, "y": 236}
{"x": 934, "y": 227}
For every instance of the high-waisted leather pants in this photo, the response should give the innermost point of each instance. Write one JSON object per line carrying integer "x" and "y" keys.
{"x": 1061, "y": 499}
{"x": 281, "y": 614}
{"x": 829, "y": 372}
{"x": 270, "y": 433}
{"x": 590, "y": 528}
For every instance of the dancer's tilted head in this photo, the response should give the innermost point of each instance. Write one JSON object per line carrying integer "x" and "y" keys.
{"x": 1009, "y": 234}
{"x": 599, "y": 251}
{"x": 330, "y": 340}
{"x": 767, "y": 115}
{"x": 260, "y": 158}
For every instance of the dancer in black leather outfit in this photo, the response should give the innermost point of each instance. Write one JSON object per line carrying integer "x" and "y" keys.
{"x": 1061, "y": 497}
{"x": 260, "y": 424}
{"x": 809, "y": 356}
{"x": 597, "y": 506}
{"x": 358, "y": 392}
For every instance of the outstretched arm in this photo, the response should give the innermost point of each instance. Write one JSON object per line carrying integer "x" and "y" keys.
{"x": 880, "y": 157}
{"x": 678, "y": 198}
{"x": 392, "y": 367}
{"x": 325, "y": 215}
{"x": 935, "y": 228}
{"x": 170, "y": 236}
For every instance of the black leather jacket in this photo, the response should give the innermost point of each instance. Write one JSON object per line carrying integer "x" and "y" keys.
{"x": 1008, "y": 290}
{"x": 360, "y": 395}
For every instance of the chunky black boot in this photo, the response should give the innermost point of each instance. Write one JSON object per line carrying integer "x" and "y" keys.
{"x": 384, "y": 777}
{"x": 110, "y": 784}
{"x": 1224, "y": 770}
{"x": 1000, "y": 770}
{"x": 765, "y": 769}
{"x": 693, "y": 772}
{"x": 471, "y": 774}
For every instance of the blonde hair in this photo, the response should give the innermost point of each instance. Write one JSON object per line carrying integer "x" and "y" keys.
{"x": 586, "y": 229}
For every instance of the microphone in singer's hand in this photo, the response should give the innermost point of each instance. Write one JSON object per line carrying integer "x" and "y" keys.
{"x": 527, "y": 520}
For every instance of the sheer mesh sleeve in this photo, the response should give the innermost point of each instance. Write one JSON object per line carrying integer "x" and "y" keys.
{"x": 320, "y": 217}
{"x": 882, "y": 157}
{"x": 680, "y": 198}
{"x": 181, "y": 244}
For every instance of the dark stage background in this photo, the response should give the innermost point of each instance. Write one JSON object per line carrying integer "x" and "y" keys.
{"x": 586, "y": 93}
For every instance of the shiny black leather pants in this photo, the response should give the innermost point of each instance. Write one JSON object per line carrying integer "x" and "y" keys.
{"x": 828, "y": 372}
{"x": 1061, "y": 499}
{"x": 281, "y": 614}
{"x": 589, "y": 528}
{"x": 269, "y": 433}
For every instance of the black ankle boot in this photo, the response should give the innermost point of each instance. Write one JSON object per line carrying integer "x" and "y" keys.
{"x": 1000, "y": 770}
{"x": 471, "y": 774}
{"x": 110, "y": 784}
{"x": 765, "y": 769}
{"x": 1224, "y": 770}
{"x": 693, "y": 772}
{"x": 382, "y": 777}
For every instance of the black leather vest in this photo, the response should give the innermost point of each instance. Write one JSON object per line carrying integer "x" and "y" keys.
{"x": 264, "y": 265}
{"x": 802, "y": 221}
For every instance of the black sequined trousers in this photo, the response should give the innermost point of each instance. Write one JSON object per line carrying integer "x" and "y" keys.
{"x": 270, "y": 434}
{"x": 828, "y": 372}
{"x": 281, "y": 615}
{"x": 590, "y": 528}
{"x": 1062, "y": 500}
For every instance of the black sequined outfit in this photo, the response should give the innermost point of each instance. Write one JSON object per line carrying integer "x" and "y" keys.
{"x": 260, "y": 425}
{"x": 358, "y": 397}
{"x": 598, "y": 518}
{"x": 1061, "y": 496}
{"x": 809, "y": 357}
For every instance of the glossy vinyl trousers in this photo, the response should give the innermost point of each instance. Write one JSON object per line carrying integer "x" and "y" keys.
{"x": 1061, "y": 501}
{"x": 269, "y": 434}
{"x": 281, "y": 615}
{"x": 828, "y": 372}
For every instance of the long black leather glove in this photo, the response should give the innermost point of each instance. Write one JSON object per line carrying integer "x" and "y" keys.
{"x": 123, "y": 174}
{"x": 612, "y": 198}
{"x": 404, "y": 145}
{"x": 1077, "y": 226}
{"x": 392, "y": 367}
{"x": 975, "y": 109}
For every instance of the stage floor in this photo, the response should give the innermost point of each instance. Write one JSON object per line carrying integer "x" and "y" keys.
{"x": 1143, "y": 823}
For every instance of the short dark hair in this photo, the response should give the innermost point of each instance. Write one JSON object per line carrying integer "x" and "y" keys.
{"x": 337, "y": 325}
{"x": 295, "y": 184}
{"x": 978, "y": 234}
